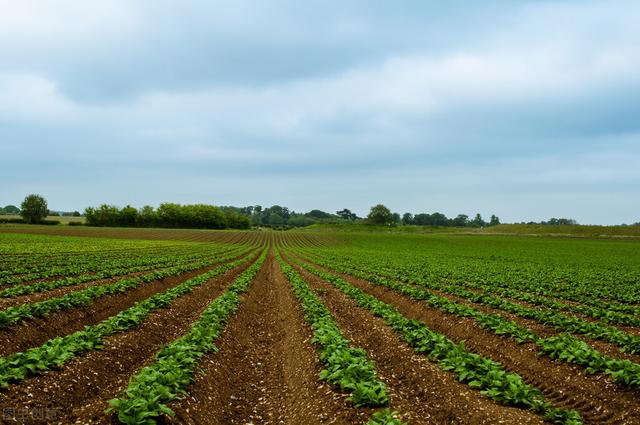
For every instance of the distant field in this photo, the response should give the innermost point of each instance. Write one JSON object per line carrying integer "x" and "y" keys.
{"x": 346, "y": 327}
{"x": 579, "y": 230}
{"x": 507, "y": 229}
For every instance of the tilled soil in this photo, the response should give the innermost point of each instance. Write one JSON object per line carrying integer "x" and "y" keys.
{"x": 421, "y": 391}
{"x": 80, "y": 391}
{"x": 35, "y": 332}
{"x": 597, "y": 398}
{"x": 267, "y": 370}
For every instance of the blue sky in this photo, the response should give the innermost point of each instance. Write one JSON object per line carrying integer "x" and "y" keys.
{"x": 523, "y": 109}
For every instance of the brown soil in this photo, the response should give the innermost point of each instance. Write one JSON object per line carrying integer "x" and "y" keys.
{"x": 597, "y": 398}
{"x": 266, "y": 371}
{"x": 35, "y": 332}
{"x": 418, "y": 388}
{"x": 79, "y": 392}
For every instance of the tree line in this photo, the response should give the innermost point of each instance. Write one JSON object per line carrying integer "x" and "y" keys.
{"x": 196, "y": 216}
{"x": 34, "y": 210}
{"x": 381, "y": 215}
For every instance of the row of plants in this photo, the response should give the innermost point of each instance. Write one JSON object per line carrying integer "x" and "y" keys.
{"x": 627, "y": 342}
{"x": 111, "y": 270}
{"x": 566, "y": 348}
{"x": 16, "y": 314}
{"x": 476, "y": 371}
{"x": 151, "y": 389}
{"x": 34, "y": 266}
{"x": 608, "y": 312}
{"x": 346, "y": 367}
{"x": 576, "y": 270}
{"x": 58, "y": 351}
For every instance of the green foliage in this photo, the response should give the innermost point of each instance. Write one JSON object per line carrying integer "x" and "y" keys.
{"x": 10, "y": 210}
{"x": 385, "y": 417}
{"x": 16, "y": 314}
{"x": 153, "y": 387}
{"x": 33, "y": 209}
{"x": 476, "y": 371}
{"x": 60, "y": 350}
{"x": 346, "y": 367}
{"x": 380, "y": 215}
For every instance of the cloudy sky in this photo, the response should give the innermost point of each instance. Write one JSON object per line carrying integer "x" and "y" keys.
{"x": 525, "y": 109}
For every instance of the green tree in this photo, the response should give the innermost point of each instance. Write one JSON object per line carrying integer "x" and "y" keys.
{"x": 34, "y": 208}
{"x": 461, "y": 220}
{"x": 11, "y": 209}
{"x": 346, "y": 214}
{"x": 478, "y": 221}
{"x": 381, "y": 215}
{"x": 318, "y": 214}
{"x": 128, "y": 216}
{"x": 494, "y": 220}
{"x": 407, "y": 219}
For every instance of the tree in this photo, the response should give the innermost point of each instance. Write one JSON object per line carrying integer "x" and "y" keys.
{"x": 128, "y": 216}
{"x": 407, "y": 219}
{"x": 346, "y": 214}
{"x": 380, "y": 214}
{"x": 318, "y": 214}
{"x": 11, "y": 209}
{"x": 34, "y": 208}
{"x": 478, "y": 221}
{"x": 461, "y": 220}
{"x": 494, "y": 220}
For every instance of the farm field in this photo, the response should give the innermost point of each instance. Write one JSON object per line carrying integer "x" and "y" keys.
{"x": 167, "y": 326}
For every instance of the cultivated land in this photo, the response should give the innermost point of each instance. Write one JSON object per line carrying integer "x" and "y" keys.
{"x": 221, "y": 327}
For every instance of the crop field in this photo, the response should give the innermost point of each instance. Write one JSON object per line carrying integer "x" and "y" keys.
{"x": 134, "y": 326}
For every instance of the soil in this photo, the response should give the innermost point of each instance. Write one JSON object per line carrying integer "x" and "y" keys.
{"x": 418, "y": 388}
{"x": 79, "y": 392}
{"x": 267, "y": 370}
{"x": 35, "y": 332}
{"x": 596, "y": 397}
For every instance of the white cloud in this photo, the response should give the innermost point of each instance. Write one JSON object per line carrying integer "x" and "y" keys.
{"x": 46, "y": 21}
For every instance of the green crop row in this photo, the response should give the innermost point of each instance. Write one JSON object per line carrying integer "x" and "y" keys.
{"x": 346, "y": 367}
{"x": 606, "y": 311}
{"x": 59, "y": 350}
{"x": 36, "y": 267}
{"x": 84, "y": 297}
{"x": 112, "y": 270}
{"x": 476, "y": 371}
{"x": 564, "y": 348}
{"x": 155, "y": 386}
{"x": 627, "y": 342}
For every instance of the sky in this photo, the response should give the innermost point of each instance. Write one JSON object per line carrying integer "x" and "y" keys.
{"x": 523, "y": 109}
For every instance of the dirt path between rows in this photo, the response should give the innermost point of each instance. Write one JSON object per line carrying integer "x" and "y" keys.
{"x": 35, "y": 332}
{"x": 421, "y": 391}
{"x": 597, "y": 398}
{"x": 266, "y": 371}
{"x": 80, "y": 391}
